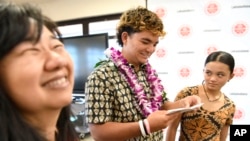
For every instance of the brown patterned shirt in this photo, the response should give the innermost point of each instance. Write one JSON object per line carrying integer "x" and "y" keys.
{"x": 203, "y": 125}
{"x": 109, "y": 98}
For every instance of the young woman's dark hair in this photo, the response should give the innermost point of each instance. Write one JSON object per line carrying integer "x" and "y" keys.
{"x": 223, "y": 57}
{"x": 15, "y": 23}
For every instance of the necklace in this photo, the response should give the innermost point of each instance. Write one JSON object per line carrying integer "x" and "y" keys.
{"x": 147, "y": 105}
{"x": 207, "y": 94}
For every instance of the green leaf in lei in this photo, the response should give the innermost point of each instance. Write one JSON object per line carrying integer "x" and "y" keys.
{"x": 99, "y": 63}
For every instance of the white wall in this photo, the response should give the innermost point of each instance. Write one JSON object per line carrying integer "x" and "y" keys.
{"x": 194, "y": 29}
{"x": 61, "y": 10}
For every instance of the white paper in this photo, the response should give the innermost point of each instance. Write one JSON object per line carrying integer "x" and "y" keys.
{"x": 184, "y": 109}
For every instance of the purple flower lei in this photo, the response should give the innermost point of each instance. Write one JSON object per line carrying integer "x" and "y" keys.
{"x": 146, "y": 105}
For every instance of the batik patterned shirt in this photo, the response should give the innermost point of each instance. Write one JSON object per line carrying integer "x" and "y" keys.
{"x": 109, "y": 98}
{"x": 204, "y": 125}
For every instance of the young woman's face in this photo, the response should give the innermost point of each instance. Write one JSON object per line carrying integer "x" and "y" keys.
{"x": 216, "y": 74}
{"x": 38, "y": 76}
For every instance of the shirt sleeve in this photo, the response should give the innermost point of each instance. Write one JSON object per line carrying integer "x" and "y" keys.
{"x": 98, "y": 98}
{"x": 231, "y": 111}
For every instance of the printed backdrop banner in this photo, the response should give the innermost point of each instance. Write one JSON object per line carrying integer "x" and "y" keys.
{"x": 196, "y": 28}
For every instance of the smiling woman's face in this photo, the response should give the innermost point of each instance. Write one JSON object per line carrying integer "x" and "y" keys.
{"x": 38, "y": 76}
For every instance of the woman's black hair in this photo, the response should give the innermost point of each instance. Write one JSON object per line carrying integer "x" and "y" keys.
{"x": 223, "y": 57}
{"x": 15, "y": 23}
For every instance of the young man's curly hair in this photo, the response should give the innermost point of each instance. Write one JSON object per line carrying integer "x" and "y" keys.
{"x": 137, "y": 20}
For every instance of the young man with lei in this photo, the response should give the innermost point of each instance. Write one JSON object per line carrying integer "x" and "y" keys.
{"x": 125, "y": 99}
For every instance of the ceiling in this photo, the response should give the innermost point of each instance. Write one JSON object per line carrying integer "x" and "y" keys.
{"x": 30, "y": 1}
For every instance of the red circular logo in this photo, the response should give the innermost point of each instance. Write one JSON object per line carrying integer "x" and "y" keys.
{"x": 239, "y": 113}
{"x": 185, "y": 72}
{"x": 212, "y": 8}
{"x": 211, "y": 49}
{"x": 185, "y": 31}
{"x": 239, "y": 72}
{"x": 240, "y": 28}
{"x": 161, "y": 52}
{"x": 160, "y": 12}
